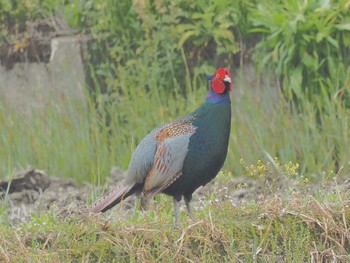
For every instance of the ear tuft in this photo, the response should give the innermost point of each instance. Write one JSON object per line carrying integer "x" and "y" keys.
{"x": 227, "y": 72}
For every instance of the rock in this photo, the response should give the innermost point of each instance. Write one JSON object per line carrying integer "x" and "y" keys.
{"x": 29, "y": 86}
{"x": 30, "y": 179}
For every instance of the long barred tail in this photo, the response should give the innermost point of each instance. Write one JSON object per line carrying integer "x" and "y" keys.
{"x": 113, "y": 198}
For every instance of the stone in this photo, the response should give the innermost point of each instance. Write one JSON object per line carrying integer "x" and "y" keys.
{"x": 30, "y": 86}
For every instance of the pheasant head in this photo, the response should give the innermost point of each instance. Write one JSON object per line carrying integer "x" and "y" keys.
{"x": 220, "y": 86}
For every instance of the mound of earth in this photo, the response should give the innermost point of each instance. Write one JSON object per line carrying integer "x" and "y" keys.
{"x": 32, "y": 190}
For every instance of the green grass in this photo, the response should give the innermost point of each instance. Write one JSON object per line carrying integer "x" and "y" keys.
{"x": 73, "y": 139}
{"x": 301, "y": 229}
{"x": 76, "y": 139}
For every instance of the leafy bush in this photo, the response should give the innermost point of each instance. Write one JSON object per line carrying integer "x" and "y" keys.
{"x": 308, "y": 43}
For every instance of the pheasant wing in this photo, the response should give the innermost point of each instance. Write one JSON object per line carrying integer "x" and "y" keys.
{"x": 171, "y": 151}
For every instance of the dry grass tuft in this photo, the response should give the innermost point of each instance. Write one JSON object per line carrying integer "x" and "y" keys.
{"x": 301, "y": 229}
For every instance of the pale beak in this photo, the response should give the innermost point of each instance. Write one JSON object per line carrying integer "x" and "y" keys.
{"x": 227, "y": 79}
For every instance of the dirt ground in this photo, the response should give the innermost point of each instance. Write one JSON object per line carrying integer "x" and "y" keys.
{"x": 32, "y": 190}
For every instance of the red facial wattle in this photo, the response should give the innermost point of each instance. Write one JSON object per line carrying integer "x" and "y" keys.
{"x": 218, "y": 85}
{"x": 217, "y": 82}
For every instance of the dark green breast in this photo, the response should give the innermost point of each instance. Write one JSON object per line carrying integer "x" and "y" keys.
{"x": 207, "y": 148}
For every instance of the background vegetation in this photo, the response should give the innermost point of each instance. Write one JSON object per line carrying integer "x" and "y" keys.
{"x": 146, "y": 62}
{"x": 146, "y": 65}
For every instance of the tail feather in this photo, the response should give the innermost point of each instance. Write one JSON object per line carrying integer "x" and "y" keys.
{"x": 113, "y": 198}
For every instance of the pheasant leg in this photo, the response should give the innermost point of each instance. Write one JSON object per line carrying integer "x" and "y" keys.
{"x": 176, "y": 209}
{"x": 188, "y": 206}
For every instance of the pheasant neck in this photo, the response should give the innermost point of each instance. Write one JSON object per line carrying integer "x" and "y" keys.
{"x": 216, "y": 98}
